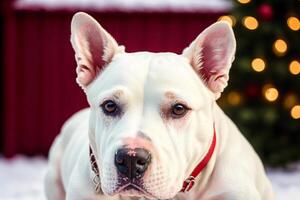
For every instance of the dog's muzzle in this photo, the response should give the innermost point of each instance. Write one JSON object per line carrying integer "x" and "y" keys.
{"x": 132, "y": 163}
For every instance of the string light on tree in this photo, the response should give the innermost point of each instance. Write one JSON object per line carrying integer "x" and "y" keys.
{"x": 293, "y": 23}
{"x": 295, "y": 112}
{"x": 234, "y": 98}
{"x": 244, "y": 1}
{"x": 265, "y": 12}
{"x": 294, "y": 67}
{"x": 258, "y": 64}
{"x": 280, "y": 47}
{"x": 228, "y": 18}
{"x": 270, "y": 93}
{"x": 250, "y": 22}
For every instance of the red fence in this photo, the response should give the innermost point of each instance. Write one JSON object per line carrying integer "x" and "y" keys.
{"x": 40, "y": 92}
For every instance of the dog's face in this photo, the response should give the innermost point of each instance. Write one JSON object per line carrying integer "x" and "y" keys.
{"x": 151, "y": 113}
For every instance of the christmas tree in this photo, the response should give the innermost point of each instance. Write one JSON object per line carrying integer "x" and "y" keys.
{"x": 263, "y": 95}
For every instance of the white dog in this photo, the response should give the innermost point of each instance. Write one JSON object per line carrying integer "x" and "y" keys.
{"x": 153, "y": 129}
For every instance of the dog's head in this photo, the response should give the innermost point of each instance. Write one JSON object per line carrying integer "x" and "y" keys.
{"x": 151, "y": 113}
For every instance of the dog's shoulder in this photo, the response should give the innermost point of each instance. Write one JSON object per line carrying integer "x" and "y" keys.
{"x": 73, "y": 124}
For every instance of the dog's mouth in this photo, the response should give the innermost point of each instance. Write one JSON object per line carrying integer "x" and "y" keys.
{"x": 133, "y": 189}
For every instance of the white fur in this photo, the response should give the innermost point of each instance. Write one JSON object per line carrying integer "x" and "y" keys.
{"x": 142, "y": 83}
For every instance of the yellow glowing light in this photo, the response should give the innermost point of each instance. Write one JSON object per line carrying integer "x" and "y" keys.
{"x": 290, "y": 100}
{"x": 244, "y": 1}
{"x": 250, "y": 23}
{"x": 294, "y": 67}
{"x": 293, "y": 23}
{"x": 228, "y": 18}
{"x": 234, "y": 98}
{"x": 280, "y": 47}
{"x": 271, "y": 94}
{"x": 258, "y": 64}
{"x": 295, "y": 112}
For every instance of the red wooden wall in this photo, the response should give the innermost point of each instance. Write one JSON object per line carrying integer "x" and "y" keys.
{"x": 40, "y": 92}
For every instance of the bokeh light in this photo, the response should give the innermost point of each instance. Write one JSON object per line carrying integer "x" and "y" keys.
{"x": 293, "y": 23}
{"x": 244, "y": 1}
{"x": 280, "y": 47}
{"x": 234, "y": 98}
{"x": 295, "y": 112}
{"x": 228, "y": 18}
{"x": 258, "y": 64}
{"x": 271, "y": 93}
{"x": 250, "y": 22}
{"x": 294, "y": 67}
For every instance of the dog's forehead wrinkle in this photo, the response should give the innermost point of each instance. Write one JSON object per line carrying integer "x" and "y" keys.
{"x": 170, "y": 95}
{"x": 127, "y": 69}
{"x": 165, "y": 69}
{"x": 143, "y": 135}
{"x": 136, "y": 69}
{"x": 169, "y": 67}
{"x": 118, "y": 93}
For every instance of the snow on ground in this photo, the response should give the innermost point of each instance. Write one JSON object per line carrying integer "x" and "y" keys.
{"x": 286, "y": 184}
{"x": 21, "y": 178}
{"x": 128, "y": 4}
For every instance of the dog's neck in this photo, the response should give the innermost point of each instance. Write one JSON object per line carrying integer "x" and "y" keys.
{"x": 190, "y": 181}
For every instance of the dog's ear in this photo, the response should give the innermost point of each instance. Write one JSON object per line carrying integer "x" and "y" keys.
{"x": 94, "y": 47}
{"x": 211, "y": 55}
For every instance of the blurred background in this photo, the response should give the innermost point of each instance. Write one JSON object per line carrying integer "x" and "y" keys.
{"x": 263, "y": 96}
{"x": 38, "y": 73}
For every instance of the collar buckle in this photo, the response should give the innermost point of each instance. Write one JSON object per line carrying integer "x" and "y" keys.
{"x": 189, "y": 182}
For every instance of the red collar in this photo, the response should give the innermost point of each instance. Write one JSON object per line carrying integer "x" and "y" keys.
{"x": 189, "y": 182}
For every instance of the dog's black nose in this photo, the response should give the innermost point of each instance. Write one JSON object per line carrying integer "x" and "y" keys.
{"x": 132, "y": 163}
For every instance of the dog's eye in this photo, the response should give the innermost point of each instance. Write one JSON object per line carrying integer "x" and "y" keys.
{"x": 178, "y": 110}
{"x": 109, "y": 107}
